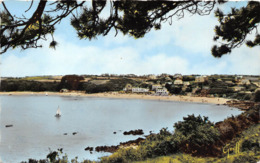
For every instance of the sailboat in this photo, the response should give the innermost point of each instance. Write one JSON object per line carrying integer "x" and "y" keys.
{"x": 58, "y": 112}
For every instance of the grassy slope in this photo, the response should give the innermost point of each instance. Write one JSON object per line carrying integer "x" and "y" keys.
{"x": 251, "y": 134}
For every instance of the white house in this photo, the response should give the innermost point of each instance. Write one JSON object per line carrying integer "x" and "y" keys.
{"x": 244, "y": 81}
{"x": 168, "y": 78}
{"x": 152, "y": 77}
{"x": 186, "y": 83}
{"x": 200, "y": 79}
{"x": 140, "y": 90}
{"x": 157, "y": 86}
{"x": 128, "y": 87}
{"x": 64, "y": 90}
{"x": 177, "y": 76}
{"x": 178, "y": 82}
{"x": 238, "y": 88}
{"x": 256, "y": 83}
{"x": 162, "y": 92}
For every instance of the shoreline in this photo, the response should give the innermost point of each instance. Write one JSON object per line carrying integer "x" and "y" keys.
{"x": 177, "y": 98}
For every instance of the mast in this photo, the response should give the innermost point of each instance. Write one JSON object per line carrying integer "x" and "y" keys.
{"x": 58, "y": 111}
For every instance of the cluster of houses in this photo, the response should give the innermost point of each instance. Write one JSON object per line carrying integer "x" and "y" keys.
{"x": 156, "y": 89}
{"x": 163, "y": 85}
{"x": 196, "y": 83}
{"x": 159, "y": 89}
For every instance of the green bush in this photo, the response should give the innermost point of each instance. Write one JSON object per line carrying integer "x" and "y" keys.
{"x": 199, "y": 135}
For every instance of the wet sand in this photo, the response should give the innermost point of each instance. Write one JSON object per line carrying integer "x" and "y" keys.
{"x": 211, "y": 100}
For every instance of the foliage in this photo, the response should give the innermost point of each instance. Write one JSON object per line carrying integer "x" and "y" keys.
{"x": 246, "y": 154}
{"x": 185, "y": 158}
{"x": 111, "y": 85}
{"x": 190, "y": 124}
{"x": 71, "y": 82}
{"x": 24, "y": 85}
{"x": 245, "y": 157}
{"x": 218, "y": 84}
{"x": 188, "y": 78}
{"x": 159, "y": 144}
{"x": 174, "y": 89}
{"x": 25, "y": 32}
{"x": 199, "y": 135}
{"x": 233, "y": 126}
{"x": 196, "y": 131}
{"x": 155, "y": 145}
{"x": 219, "y": 91}
{"x": 257, "y": 96}
{"x": 135, "y": 18}
{"x": 57, "y": 157}
{"x": 250, "y": 139}
{"x": 249, "y": 145}
{"x": 235, "y": 26}
{"x": 247, "y": 97}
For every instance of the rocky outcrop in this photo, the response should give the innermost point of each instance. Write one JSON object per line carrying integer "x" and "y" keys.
{"x": 134, "y": 132}
{"x": 89, "y": 149}
{"x": 244, "y": 105}
{"x": 112, "y": 149}
{"x": 105, "y": 148}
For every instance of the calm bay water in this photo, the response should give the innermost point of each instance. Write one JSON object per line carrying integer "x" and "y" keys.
{"x": 35, "y": 129}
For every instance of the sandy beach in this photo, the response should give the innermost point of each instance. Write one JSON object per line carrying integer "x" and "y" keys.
{"x": 211, "y": 100}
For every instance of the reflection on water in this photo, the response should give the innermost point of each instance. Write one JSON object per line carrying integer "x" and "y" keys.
{"x": 36, "y": 129}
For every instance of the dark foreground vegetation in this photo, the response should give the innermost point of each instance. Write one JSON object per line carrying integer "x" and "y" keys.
{"x": 194, "y": 139}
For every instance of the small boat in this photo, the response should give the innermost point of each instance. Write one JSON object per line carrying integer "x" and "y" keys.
{"x": 46, "y": 94}
{"x": 58, "y": 113}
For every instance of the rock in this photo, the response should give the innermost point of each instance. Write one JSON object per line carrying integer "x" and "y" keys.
{"x": 113, "y": 149}
{"x": 8, "y": 125}
{"x": 132, "y": 142}
{"x": 114, "y": 132}
{"x": 105, "y": 148}
{"x": 74, "y": 133}
{"x": 89, "y": 149}
{"x": 134, "y": 132}
{"x": 65, "y": 134}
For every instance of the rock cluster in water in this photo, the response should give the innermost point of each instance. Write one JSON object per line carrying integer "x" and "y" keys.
{"x": 89, "y": 149}
{"x": 113, "y": 148}
{"x": 134, "y": 132}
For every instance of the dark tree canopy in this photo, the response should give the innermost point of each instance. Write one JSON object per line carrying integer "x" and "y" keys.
{"x": 235, "y": 27}
{"x": 134, "y": 18}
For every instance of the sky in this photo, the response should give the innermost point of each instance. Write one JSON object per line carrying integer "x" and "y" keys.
{"x": 183, "y": 47}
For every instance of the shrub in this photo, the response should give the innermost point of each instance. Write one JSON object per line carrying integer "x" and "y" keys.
{"x": 190, "y": 124}
{"x": 245, "y": 158}
{"x": 247, "y": 97}
{"x": 199, "y": 135}
{"x": 257, "y": 96}
{"x": 249, "y": 145}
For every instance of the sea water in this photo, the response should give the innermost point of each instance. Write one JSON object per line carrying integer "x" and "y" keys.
{"x": 36, "y": 131}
